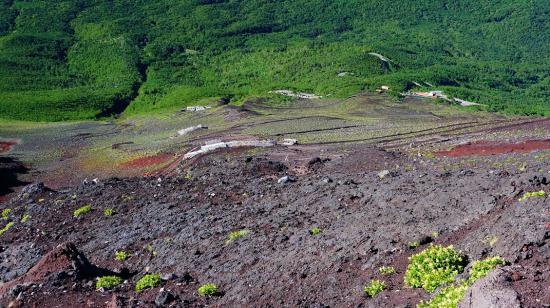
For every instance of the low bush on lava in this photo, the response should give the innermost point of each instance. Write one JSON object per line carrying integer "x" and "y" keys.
{"x": 528, "y": 195}
{"x": 413, "y": 245}
{"x": 374, "y": 287}
{"x": 83, "y": 210}
{"x": 481, "y": 268}
{"x": 208, "y": 289}
{"x": 233, "y": 236}
{"x": 108, "y": 282}
{"x": 6, "y": 227}
{"x": 121, "y": 256}
{"x": 148, "y": 281}
{"x": 25, "y": 218}
{"x": 387, "y": 270}
{"x": 450, "y": 296}
{"x": 108, "y": 212}
{"x": 315, "y": 231}
{"x": 433, "y": 267}
{"x": 6, "y": 213}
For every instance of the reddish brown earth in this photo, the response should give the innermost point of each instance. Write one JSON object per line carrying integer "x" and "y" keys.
{"x": 488, "y": 148}
{"x": 148, "y": 161}
{"x": 366, "y": 222}
{"x": 7, "y": 145}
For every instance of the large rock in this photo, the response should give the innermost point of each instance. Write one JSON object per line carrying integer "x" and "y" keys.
{"x": 493, "y": 291}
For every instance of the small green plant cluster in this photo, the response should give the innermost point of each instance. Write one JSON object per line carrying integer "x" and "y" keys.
{"x": 236, "y": 235}
{"x": 208, "y": 289}
{"x": 315, "y": 231}
{"x": 108, "y": 282}
{"x": 413, "y": 245}
{"x": 6, "y": 213}
{"x": 151, "y": 250}
{"x": 108, "y": 212}
{"x": 481, "y": 268}
{"x": 83, "y": 210}
{"x": 528, "y": 195}
{"x": 6, "y": 227}
{"x": 387, "y": 270}
{"x": 121, "y": 256}
{"x": 433, "y": 267}
{"x": 148, "y": 281}
{"x": 25, "y": 218}
{"x": 374, "y": 287}
{"x": 450, "y": 296}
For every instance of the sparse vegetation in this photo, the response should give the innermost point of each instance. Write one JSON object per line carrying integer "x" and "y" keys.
{"x": 108, "y": 282}
{"x": 151, "y": 250}
{"x": 315, "y": 231}
{"x": 121, "y": 256}
{"x": 387, "y": 270}
{"x": 528, "y": 195}
{"x": 83, "y": 210}
{"x": 25, "y": 218}
{"x": 433, "y": 267}
{"x": 481, "y": 268}
{"x": 108, "y": 212}
{"x": 6, "y": 213}
{"x": 148, "y": 281}
{"x": 450, "y": 296}
{"x": 374, "y": 287}
{"x": 233, "y": 236}
{"x": 6, "y": 227}
{"x": 413, "y": 245}
{"x": 208, "y": 289}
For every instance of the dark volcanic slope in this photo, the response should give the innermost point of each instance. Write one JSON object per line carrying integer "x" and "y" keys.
{"x": 180, "y": 226}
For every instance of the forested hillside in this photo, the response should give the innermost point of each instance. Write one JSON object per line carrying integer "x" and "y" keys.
{"x": 77, "y": 59}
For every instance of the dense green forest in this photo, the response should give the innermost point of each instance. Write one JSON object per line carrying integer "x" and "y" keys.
{"x": 75, "y": 59}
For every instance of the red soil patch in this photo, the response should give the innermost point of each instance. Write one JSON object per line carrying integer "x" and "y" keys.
{"x": 488, "y": 148}
{"x": 148, "y": 161}
{"x": 6, "y": 145}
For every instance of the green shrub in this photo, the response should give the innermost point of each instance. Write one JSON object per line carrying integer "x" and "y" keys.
{"x": 528, "y": 195}
{"x": 148, "y": 281}
{"x": 83, "y": 210}
{"x": 236, "y": 235}
{"x": 6, "y": 213}
{"x": 6, "y": 227}
{"x": 208, "y": 289}
{"x": 450, "y": 296}
{"x": 315, "y": 231}
{"x": 25, "y": 218}
{"x": 108, "y": 282}
{"x": 121, "y": 256}
{"x": 433, "y": 267}
{"x": 374, "y": 287}
{"x": 481, "y": 268}
{"x": 108, "y": 212}
{"x": 413, "y": 245}
{"x": 387, "y": 270}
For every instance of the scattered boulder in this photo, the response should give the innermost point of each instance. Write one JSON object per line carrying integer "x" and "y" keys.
{"x": 164, "y": 298}
{"x": 382, "y": 174}
{"x": 289, "y": 142}
{"x": 32, "y": 190}
{"x": 63, "y": 259}
{"x": 188, "y": 130}
{"x": 285, "y": 179}
{"x": 492, "y": 291}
